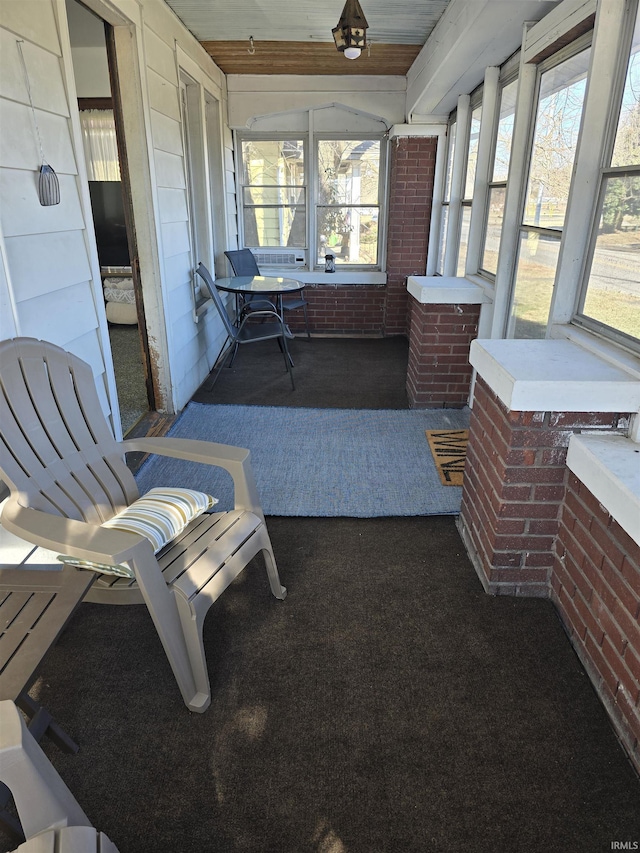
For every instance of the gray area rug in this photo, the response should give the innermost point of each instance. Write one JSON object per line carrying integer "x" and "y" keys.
{"x": 357, "y": 463}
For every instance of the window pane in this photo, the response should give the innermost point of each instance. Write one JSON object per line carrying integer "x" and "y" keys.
{"x": 274, "y": 211}
{"x": 350, "y": 233}
{"x": 494, "y": 229}
{"x": 279, "y": 196}
{"x": 504, "y": 137}
{"x": 464, "y": 240}
{"x": 472, "y": 160}
{"x": 275, "y": 226}
{"x": 556, "y": 134}
{"x": 273, "y": 162}
{"x": 348, "y": 171}
{"x": 627, "y": 147}
{"x": 443, "y": 239}
{"x": 450, "y": 152}
{"x": 537, "y": 259}
{"x": 613, "y": 292}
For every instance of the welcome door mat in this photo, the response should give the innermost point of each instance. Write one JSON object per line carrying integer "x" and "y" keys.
{"x": 355, "y": 463}
{"x": 449, "y": 450}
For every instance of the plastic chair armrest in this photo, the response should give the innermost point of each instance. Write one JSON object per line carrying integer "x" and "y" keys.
{"x": 235, "y": 460}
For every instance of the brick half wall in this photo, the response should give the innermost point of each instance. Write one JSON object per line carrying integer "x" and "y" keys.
{"x": 438, "y": 371}
{"x": 596, "y": 588}
{"x": 342, "y": 309}
{"x": 513, "y": 490}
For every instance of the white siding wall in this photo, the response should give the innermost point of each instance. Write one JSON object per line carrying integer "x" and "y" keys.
{"x": 193, "y": 342}
{"x": 48, "y": 283}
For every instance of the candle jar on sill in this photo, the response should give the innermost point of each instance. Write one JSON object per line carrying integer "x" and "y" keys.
{"x": 329, "y": 262}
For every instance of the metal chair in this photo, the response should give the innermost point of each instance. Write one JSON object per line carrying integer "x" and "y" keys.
{"x": 68, "y": 476}
{"x": 241, "y": 331}
{"x": 243, "y": 262}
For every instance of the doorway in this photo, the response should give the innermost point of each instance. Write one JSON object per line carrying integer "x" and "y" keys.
{"x": 95, "y": 71}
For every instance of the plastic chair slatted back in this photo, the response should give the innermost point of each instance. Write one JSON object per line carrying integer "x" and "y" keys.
{"x": 56, "y": 447}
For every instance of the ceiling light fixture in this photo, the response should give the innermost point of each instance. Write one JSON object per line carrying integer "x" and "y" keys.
{"x": 350, "y": 35}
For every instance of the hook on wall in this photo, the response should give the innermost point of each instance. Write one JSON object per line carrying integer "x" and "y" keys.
{"x": 251, "y": 49}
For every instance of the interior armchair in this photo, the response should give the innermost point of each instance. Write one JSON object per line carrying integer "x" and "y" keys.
{"x": 72, "y": 493}
{"x": 243, "y": 262}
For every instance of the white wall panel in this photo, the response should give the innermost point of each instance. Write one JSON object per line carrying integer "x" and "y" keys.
{"x": 173, "y": 205}
{"x": 163, "y": 96}
{"x": 43, "y": 69}
{"x": 160, "y": 57}
{"x": 35, "y": 22}
{"x": 59, "y": 316}
{"x": 169, "y": 170}
{"x": 47, "y": 262}
{"x": 167, "y": 135}
{"x": 22, "y": 213}
{"x": 175, "y": 238}
{"x": 19, "y": 147}
{"x": 177, "y": 271}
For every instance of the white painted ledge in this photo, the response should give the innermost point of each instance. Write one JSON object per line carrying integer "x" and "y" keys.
{"x": 609, "y": 466}
{"x": 553, "y": 376}
{"x": 321, "y": 277}
{"x": 443, "y": 290}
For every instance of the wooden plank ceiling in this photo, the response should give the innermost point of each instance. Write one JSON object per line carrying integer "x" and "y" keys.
{"x": 294, "y": 36}
{"x": 277, "y": 57}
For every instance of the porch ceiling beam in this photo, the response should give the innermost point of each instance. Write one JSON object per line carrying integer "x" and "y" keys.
{"x": 468, "y": 38}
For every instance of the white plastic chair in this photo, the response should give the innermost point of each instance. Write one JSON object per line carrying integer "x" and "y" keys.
{"x": 67, "y": 476}
{"x": 51, "y": 818}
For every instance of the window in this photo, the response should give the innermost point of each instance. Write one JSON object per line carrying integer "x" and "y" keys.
{"x": 348, "y": 210}
{"x": 274, "y": 193}
{"x": 467, "y": 196}
{"x": 343, "y": 215}
{"x": 498, "y": 182}
{"x": 611, "y": 296}
{"x": 446, "y": 198}
{"x": 557, "y": 124}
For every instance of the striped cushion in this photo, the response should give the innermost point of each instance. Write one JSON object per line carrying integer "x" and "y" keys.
{"x": 161, "y": 515}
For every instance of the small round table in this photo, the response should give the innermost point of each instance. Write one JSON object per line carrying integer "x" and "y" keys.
{"x": 259, "y": 285}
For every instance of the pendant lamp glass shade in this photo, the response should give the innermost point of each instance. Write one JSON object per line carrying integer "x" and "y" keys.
{"x": 350, "y": 35}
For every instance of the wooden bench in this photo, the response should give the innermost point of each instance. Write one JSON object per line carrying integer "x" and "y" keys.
{"x": 35, "y": 605}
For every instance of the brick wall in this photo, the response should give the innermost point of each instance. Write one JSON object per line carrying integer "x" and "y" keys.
{"x": 379, "y": 310}
{"x": 342, "y": 310}
{"x": 410, "y": 195}
{"x": 596, "y": 588}
{"x": 514, "y": 487}
{"x": 438, "y": 371}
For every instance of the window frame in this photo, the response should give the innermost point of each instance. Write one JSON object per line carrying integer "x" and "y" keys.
{"x": 573, "y": 48}
{"x": 607, "y": 171}
{"x": 508, "y": 75}
{"x": 311, "y": 188}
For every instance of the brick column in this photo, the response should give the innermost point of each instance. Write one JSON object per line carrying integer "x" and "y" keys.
{"x": 596, "y": 588}
{"x": 513, "y": 489}
{"x": 438, "y": 371}
{"x": 410, "y": 195}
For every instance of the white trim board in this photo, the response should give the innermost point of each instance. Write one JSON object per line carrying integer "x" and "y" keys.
{"x": 553, "y": 376}
{"x": 609, "y": 466}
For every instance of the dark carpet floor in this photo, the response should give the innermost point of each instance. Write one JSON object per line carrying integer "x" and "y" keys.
{"x": 329, "y": 373}
{"x": 388, "y": 705}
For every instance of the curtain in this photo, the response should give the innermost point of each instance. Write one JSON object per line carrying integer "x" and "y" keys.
{"x": 100, "y": 148}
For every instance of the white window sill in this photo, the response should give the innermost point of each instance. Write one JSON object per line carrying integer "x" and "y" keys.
{"x": 554, "y": 376}
{"x": 609, "y": 466}
{"x": 441, "y": 290}
{"x": 322, "y": 277}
